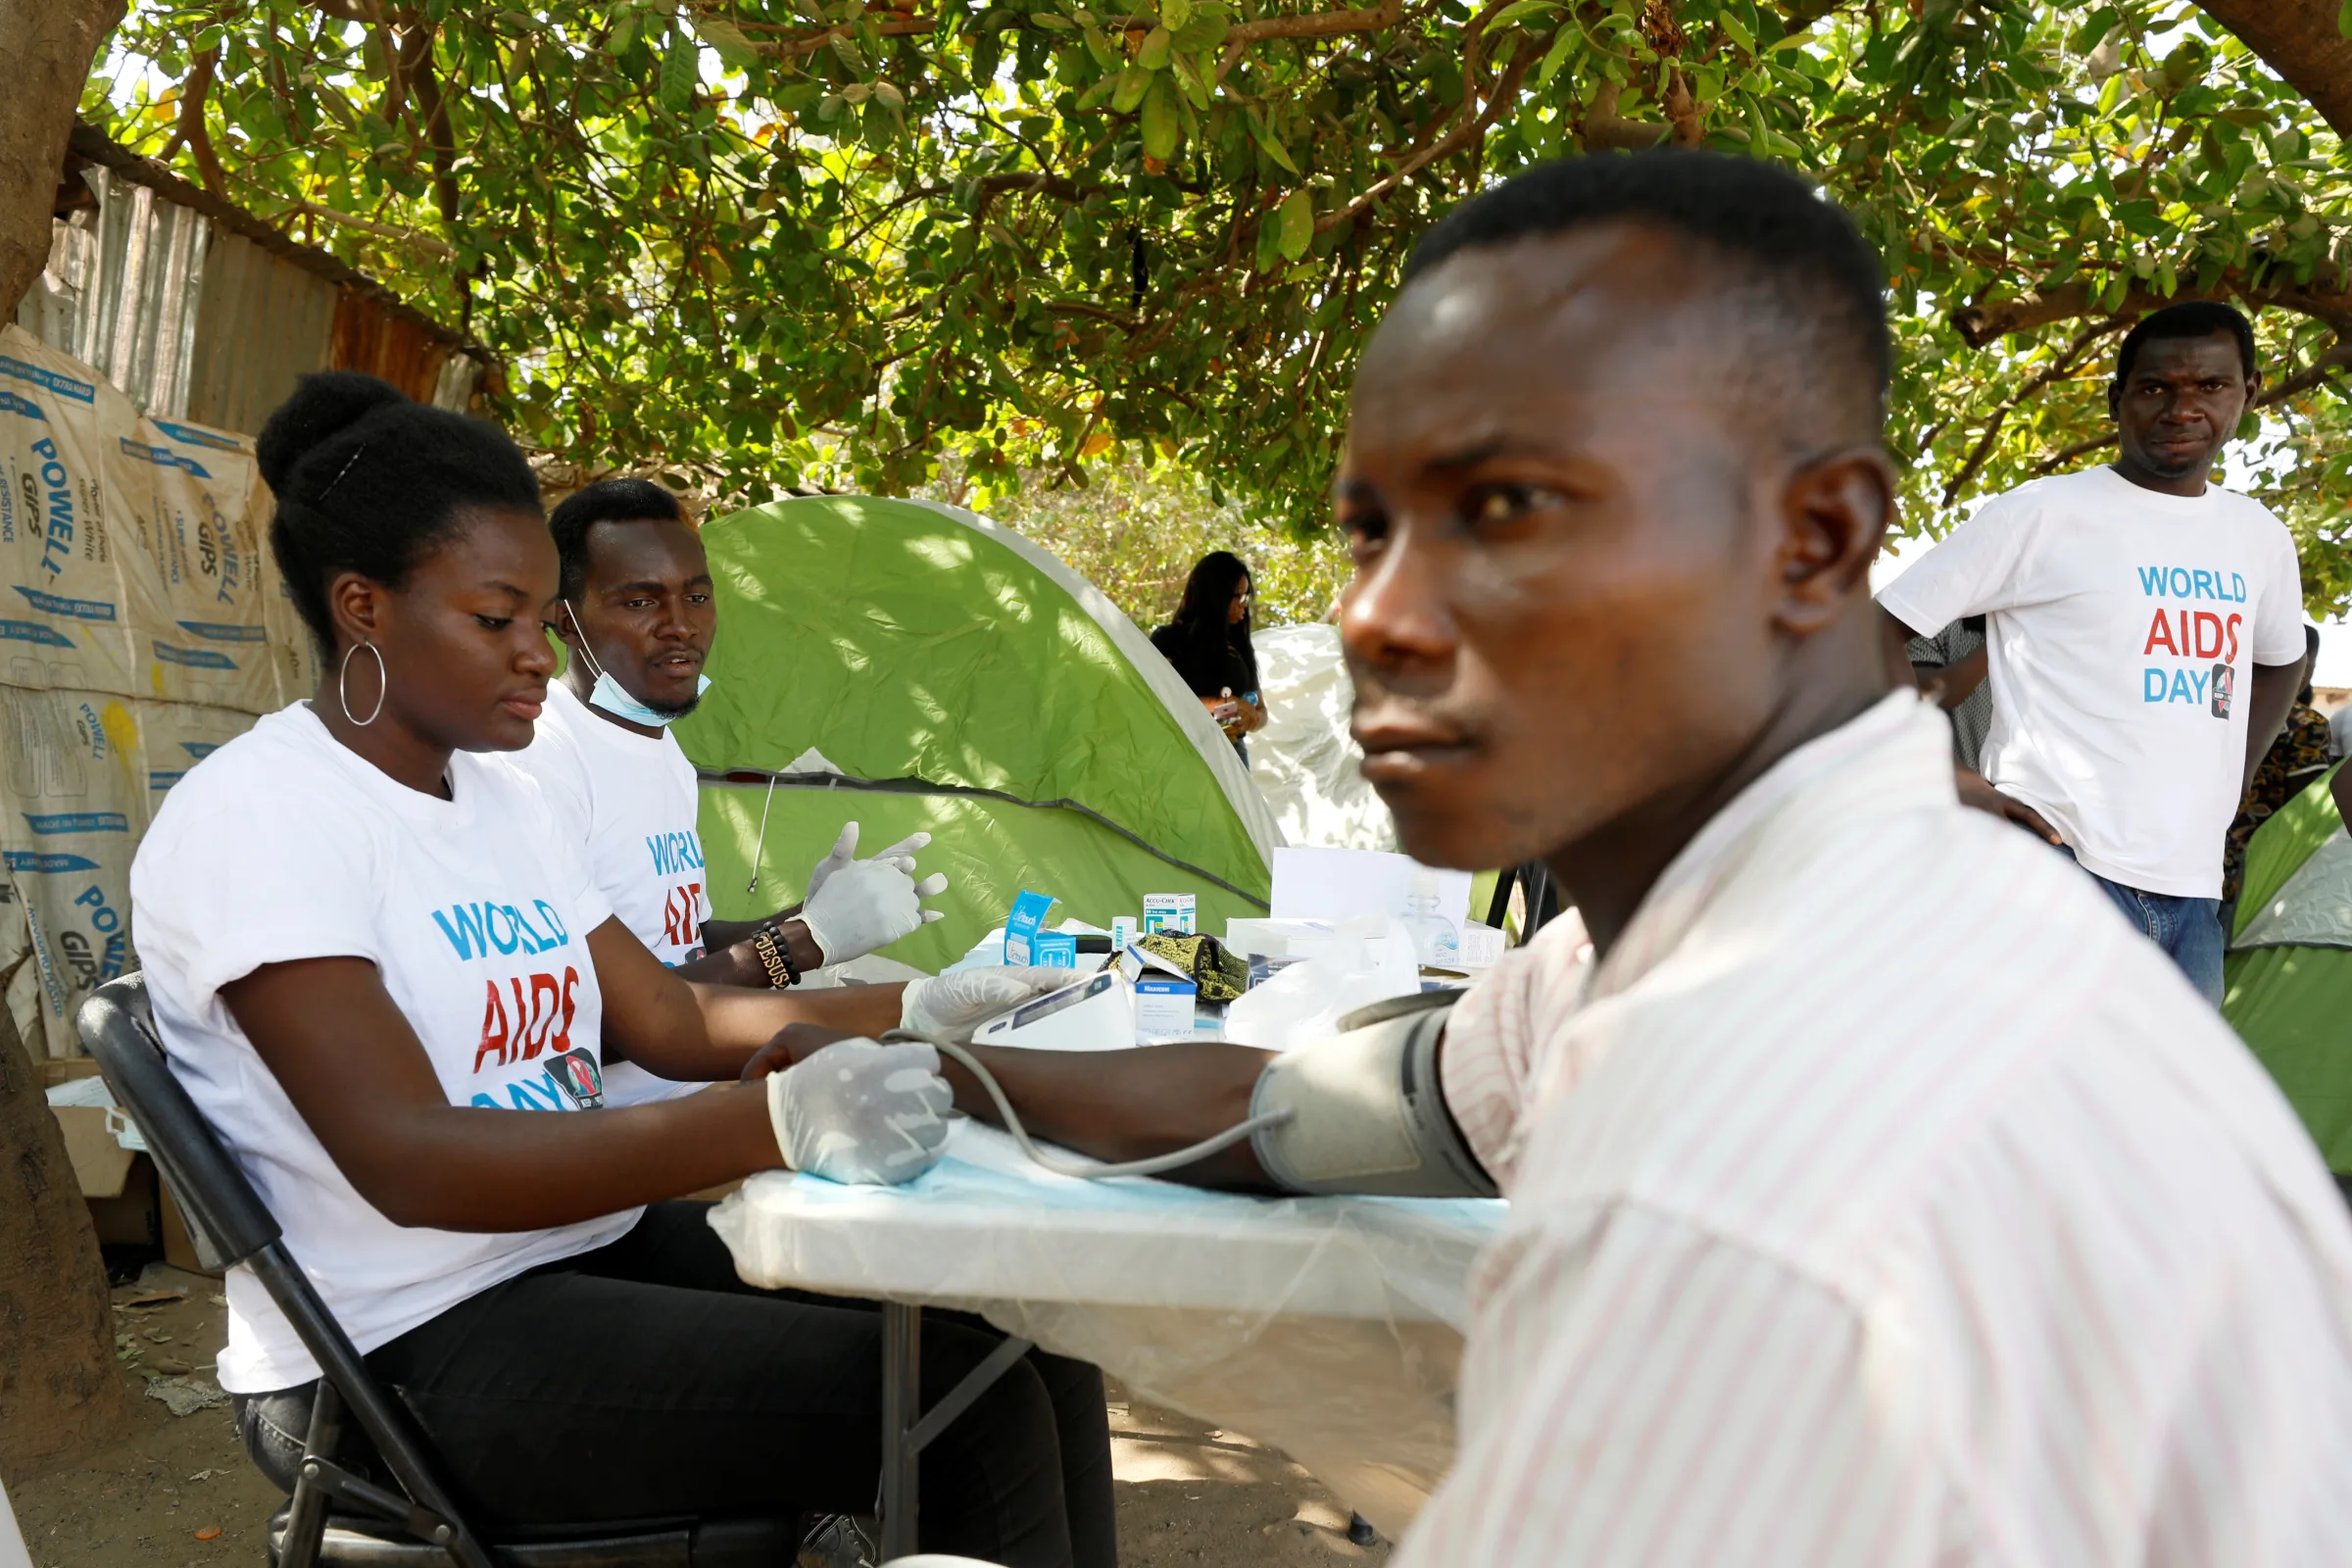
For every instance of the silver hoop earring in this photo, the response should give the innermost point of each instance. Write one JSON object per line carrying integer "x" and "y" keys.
{"x": 383, "y": 685}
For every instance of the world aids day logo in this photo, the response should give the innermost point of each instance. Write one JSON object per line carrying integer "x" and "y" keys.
{"x": 2203, "y": 641}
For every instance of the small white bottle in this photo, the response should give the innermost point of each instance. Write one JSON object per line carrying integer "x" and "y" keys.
{"x": 1436, "y": 942}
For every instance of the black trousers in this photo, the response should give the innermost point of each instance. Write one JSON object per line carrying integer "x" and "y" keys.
{"x": 645, "y": 1380}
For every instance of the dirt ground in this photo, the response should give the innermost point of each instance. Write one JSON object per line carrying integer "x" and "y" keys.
{"x": 177, "y": 1490}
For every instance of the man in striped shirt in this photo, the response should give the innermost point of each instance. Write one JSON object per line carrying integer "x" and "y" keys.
{"x": 1819, "y": 1251}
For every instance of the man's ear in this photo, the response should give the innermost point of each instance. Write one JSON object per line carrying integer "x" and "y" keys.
{"x": 1833, "y": 517}
{"x": 567, "y": 630}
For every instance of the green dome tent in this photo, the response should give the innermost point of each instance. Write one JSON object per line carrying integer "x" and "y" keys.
{"x": 965, "y": 684}
{"x": 2287, "y": 980}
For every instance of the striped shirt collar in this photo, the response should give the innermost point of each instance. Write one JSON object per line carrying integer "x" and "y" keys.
{"x": 1895, "y": 756}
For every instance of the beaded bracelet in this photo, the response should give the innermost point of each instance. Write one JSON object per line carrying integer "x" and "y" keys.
{"x": 776, "y": 958}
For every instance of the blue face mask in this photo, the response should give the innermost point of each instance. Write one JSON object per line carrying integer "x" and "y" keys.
{"x": 608, "y": 695}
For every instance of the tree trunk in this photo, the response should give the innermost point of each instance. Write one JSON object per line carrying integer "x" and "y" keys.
{"x": 50, "y": 44}
{"x": 59, "y": 1390}
{"x": 2299, "y": 40}
{"x": 60, "y": 1394}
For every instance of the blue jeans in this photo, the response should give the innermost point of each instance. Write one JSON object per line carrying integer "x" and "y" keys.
{"x": 2188, "y": 930}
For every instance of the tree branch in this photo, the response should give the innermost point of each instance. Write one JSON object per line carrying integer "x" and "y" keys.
{"x": 2299, "y": 40}
{"x": 1984, "y": 321}
{"x": 1125, "y": 324}
{"x": 418, "y": 48}
{"x": 1606, "y": 130}
{"x": 2060, "y": 458}
{"x": 1317, "y": 24}
{"x": 994, "y": 185}
{"x": 190, "y": 129}
{"x": 2067, "y": 360}
{"x": 404, "y": 236}
{"x": 2336, "y": 357}
{"x": 892, "y": 25}
{"x": 1506, "y": 91}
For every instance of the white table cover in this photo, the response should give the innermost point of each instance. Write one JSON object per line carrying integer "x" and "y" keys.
{"x": 1328, "y": 1327}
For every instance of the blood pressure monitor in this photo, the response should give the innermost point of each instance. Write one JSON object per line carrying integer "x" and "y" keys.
{"x": 1092, "y": 1012}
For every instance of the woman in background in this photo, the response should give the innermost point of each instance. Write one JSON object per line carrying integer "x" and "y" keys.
{"x": 1208, "y": 644}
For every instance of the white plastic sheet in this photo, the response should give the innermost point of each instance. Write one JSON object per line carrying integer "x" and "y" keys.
{"x": 1304, "y": 761}
{"x": 1328, "y": 1327}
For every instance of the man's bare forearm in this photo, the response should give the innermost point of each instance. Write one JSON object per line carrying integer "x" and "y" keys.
{"x": 1118, "y": 1106}
{"x": 2270, "y": 699}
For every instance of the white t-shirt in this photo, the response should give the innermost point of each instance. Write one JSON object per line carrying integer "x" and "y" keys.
{"x": 284, "y": 845}
{"x": 631, "y": 801}
{"x": 2123, "y": 623}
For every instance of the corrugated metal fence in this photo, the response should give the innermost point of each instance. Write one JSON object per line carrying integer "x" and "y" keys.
{"x": 195, "y": 321}
{"x": 142, "y": 622}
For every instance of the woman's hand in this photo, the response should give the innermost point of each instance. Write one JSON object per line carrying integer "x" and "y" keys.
{"x": 793, "y": 1044}
{"x": 862, "y": 1112}
{"x": 952, "y": 1006}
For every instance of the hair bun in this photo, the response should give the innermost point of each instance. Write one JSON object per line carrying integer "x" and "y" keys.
{"x": 324, "y": 405}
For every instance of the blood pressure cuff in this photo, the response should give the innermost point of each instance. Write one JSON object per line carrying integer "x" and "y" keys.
{"x": 1366, "y": 1113}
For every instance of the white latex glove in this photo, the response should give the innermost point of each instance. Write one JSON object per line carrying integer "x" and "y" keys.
{"x": 954, "y": 1004}
{"x": 858, "y": 1112}
{"x": 868, "y": 904}
{"x": 845, "y": 853}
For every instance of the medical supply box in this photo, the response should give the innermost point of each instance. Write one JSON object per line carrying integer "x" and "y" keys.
{"x": 1165, "y": 998}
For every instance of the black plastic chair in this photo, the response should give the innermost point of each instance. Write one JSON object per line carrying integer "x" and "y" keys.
{"x": 335, "y": 1516}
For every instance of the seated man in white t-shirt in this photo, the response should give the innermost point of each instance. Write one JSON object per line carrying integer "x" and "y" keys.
{"x": 2146, "y": 635}
{"x": 637, "y": 616}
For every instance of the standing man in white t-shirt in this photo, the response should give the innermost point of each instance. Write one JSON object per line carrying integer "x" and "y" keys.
{"x": 637, "y": 616}
{"x": 2146, "y": 635}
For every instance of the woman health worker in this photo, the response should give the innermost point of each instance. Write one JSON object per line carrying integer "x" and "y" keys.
{"x": 391, "y": 989}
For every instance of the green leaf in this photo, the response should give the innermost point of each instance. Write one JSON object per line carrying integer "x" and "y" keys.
{"x": 1557, "y": 56}
{"x": 1205, "y": 30}
{"x": 1154, "y": 55}
{"x": 1050, "y": 22}
{"x": 728, "y": 41}
{"x": 1099, "y": 47}
{"x": 1174, "y": 14}
{"x": 1099, "y": 93}
{"x": 2343, "y": 19}
{"x": 1161, "y": 124}
{"x": 1268, "y": 255}
{"x": 1520, "y": 10}
{"x": 1298, "y": 224}
{"x": 1269, "y": 143}
{"x": 681, "y": 73}
{"x": 1131, "y": 84}
{"x": 1187, "y": 77}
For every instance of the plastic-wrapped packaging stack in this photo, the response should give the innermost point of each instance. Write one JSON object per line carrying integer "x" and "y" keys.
{"x": 141, "y": 626}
